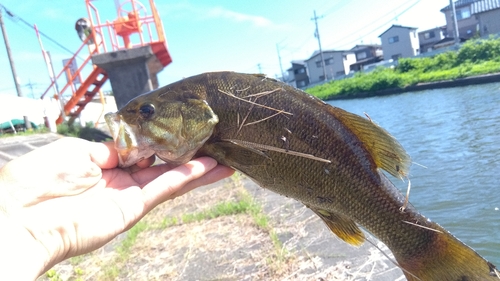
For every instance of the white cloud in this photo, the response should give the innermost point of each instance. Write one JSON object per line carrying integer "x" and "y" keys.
{"x": 186, "y": 9}
{"x": 219, "y": 12}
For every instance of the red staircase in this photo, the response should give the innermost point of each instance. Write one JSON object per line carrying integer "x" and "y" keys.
{"x": 104, "y": 37}
{"x": 85, "y": 93}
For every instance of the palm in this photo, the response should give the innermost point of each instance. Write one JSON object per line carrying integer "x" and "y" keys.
{"x": 81, "y": 201}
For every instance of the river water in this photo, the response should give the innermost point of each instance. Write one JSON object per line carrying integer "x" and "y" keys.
{"x": 455, "y": 134}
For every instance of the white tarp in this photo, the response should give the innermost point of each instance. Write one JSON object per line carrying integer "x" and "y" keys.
{"x": 13, "y": 107}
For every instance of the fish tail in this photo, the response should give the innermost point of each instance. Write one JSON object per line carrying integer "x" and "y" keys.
{"x": 447, "y": 259}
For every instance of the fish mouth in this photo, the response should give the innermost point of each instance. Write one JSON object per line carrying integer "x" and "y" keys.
{"x": 126, "y": 143}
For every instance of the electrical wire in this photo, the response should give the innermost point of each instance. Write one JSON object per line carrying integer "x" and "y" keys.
{"x": 14, "y": 17}
{"x": 380, "y": 26}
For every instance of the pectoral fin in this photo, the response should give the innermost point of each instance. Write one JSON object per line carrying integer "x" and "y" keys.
{"x": 241, "y": 154}
{"x": 345, "y": 228}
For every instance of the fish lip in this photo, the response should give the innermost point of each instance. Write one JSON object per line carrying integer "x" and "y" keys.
{"x": 113, "y": 122}
{"x": 124, "y": 138}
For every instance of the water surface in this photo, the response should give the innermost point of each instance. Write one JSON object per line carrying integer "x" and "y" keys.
{"x": 455, "y": 134}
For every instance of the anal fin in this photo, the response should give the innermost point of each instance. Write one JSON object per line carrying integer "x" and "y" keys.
{"x": 345, "y": 228}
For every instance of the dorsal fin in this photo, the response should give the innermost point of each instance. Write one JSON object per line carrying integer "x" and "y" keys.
{"x": 386, "y": 151}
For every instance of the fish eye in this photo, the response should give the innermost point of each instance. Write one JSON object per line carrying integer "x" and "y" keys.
{"x": 146, "y": 110}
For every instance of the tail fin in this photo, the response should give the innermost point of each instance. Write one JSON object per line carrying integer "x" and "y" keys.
{"x": 449, "y": 259}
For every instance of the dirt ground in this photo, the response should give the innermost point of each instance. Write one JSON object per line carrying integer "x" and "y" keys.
{"x": 294, "y": 244}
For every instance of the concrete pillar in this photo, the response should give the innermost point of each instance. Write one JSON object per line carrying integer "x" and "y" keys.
{"x": 131, "y": 72}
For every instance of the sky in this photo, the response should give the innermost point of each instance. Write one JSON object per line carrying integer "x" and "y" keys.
{"x": 203, "y": 36}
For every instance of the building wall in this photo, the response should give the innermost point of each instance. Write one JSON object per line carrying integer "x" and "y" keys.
{"x": 298, "y": 75}
{"x": 489, "y": 22}
{"x": 426, "y": 41}
{"x": 406, "y": 46}
{"x": 349, "y": 59}
{"x": 466, "y": 27}
{"x": 334, "y": 65}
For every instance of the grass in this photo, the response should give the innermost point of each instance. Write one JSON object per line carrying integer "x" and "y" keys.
{"x": 238, "y": 204}
{"x": 40, "y": 130}
{"x": 475, "y": 57}
{"x": 244, "y": 205}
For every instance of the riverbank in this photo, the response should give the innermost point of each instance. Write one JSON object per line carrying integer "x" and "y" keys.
{"x": 230, "y": 230}
{"x": 475, "y": 62}
{"x": 460, "y": 82}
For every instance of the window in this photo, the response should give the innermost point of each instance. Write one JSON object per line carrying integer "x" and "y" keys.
{"x": 329, "y": 61}
{"x": 463, "y": 13}
{"x": 319, "y": 64}
{"x": 360, "y": 56}
{"x": 393, "y": 39}
{"x": 301, "y": 83}
{"x": 429, "y": 35}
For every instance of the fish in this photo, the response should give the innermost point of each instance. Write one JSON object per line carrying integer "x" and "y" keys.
{"x": 294, "y": 144}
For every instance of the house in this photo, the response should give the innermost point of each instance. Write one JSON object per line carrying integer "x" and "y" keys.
{"x": 337, "y": 63}
{"x": 487, "y": 13}
{"x": 297, "y": 74}
{"x": 428, "y": 38}
{"x": 468, "y": 26}
{"x": 365, "y": 55}
{"x": 399, "y": 42}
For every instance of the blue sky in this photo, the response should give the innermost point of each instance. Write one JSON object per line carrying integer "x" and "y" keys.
{"x": 213, "y": 35}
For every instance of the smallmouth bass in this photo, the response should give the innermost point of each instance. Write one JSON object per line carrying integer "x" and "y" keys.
{"x": 296, "y": 145}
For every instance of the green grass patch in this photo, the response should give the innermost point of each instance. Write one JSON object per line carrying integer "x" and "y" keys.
{"x": 123, "y": 249}
{"x": 40, "y": 130}
{"x": 475, "y": 57}
{"x": 52, "y": 275}
{"x": 244, "y": 205}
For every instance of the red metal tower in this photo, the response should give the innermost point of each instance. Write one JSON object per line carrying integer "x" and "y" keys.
{"x": 135, "y": 38}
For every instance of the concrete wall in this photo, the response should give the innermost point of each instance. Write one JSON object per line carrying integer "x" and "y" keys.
{"x": 407, "y": 46}
{"x": 489, "y": 22}
{"x": 466, "y": 27}
{"x": 427, "y": 43}
{"x": 335, "y": 64}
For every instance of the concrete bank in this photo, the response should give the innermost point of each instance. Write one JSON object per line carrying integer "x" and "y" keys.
{"x": 317, "y": 253}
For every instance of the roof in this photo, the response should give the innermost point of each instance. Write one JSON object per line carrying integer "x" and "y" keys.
{"x": 297, "y": 62}
{"x": 398, "y": 26}
{"x": 446, "y": 41}
{"x": 458, "y": 4}
{"x": 301, "y": 62}
{"x": 484, "y": 6}
{"x": 361, "y": 46}
{"x": 442, "y": 28}
{"x": 327, "y": 51}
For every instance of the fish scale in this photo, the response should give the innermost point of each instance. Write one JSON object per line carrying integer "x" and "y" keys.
{"x": 296, "y": 145}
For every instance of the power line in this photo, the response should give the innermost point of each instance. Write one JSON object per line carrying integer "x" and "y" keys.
{"x": 337, "y": 6}
{"x": 380, "y": 26}
{"x": 9, "y": 13}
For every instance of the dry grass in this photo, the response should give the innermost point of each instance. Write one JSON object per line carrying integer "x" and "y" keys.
{"x": 254, "y": 236}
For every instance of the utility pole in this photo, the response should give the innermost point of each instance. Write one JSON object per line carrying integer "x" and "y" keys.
{"x": 281, "y": 67}
{"x": 12, "y": 66}
{"x": 316, "y": 34}
{"x": 455, "y": 24}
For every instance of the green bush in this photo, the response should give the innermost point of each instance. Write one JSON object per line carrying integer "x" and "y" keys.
{"x": 475, "y": 57}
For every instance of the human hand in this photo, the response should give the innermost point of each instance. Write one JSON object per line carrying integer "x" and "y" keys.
{"x": 68, "y": 198}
